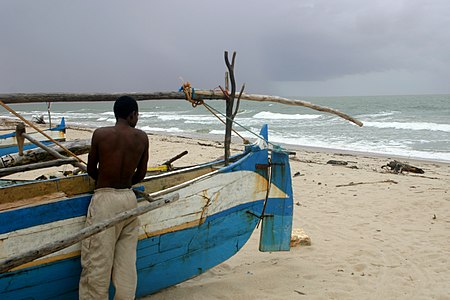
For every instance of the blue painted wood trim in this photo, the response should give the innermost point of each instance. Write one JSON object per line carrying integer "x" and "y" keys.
{"x": 276, "y": 227}
{"x": 15, "y": 149}
{"x": 45, "y": 213}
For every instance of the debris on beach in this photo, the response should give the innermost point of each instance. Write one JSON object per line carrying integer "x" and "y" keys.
{"x": 372, "y": 182}
{"x": 54, "y": 175}
{"x": 342, "y": 163}
{"x": 297, "y": 174}
{"x": 39, "y": 119}
{"x": 299, "y": 238}
{"x": 337, "y": 162}
{"x": 398, "y": 167}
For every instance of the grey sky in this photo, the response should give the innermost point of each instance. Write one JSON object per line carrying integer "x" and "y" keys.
{"x": 302, "y": 48}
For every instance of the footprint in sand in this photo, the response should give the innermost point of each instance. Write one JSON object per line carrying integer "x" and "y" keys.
{"x": 359, "y": 267}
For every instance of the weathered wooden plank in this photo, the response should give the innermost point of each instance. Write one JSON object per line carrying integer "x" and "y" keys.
{"x": 40, "y": 155}
{"x": 34, "y": 200}
{"x": 87, "y": 97}
{"x": 162, "y": 182}
{"x": 73, "y": 185}
{"x": 56, "y": 153}
{"x": 35, "y": 166}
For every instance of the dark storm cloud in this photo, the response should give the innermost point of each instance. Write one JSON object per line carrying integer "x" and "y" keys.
{"x": 94, "y": 46}
{"x": 325, "y": 40}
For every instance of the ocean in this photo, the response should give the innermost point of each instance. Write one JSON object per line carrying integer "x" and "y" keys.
{"x": 413, "y": 126}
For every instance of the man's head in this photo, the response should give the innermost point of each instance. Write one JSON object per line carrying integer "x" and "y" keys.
{"x": 126, "y": 108}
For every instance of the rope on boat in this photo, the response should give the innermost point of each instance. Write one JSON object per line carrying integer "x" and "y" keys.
{"x": 190, "y": 92}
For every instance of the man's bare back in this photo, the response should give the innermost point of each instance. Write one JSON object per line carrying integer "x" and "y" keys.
{"x": 119, "y": 154}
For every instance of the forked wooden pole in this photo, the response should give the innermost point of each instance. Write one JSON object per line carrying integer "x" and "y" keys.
{"x": 20, "y": 130}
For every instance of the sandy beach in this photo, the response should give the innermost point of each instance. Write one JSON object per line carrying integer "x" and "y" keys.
{"x": 374, "y": 234}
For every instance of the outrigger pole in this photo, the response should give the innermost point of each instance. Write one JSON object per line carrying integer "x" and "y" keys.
{"x": 199, "y": 95}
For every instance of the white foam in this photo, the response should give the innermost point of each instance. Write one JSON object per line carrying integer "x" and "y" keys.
{"x": 192, "y": 118}
{"x": 159, "y": 129}
{"x": 271, "y": 116}
{"x": 409, "y": 125}
{"x": 390, "y": 147}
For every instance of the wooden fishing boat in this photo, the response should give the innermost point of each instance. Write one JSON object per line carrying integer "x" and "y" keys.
{"x": 196, "y": 218}
{"x": 217, "y": 210}
{"x": 8, "y": 143}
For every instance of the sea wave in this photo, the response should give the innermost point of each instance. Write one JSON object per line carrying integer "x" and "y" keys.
{"x": 389, "y": 148}
{"x": 215, "y": 131}
{"x": 271, "y": 116}
{"x": 159, "y": 129}
{"x": 186, "y": 117}
{"x": 409, "y": 125}
{"x": 378, "y": 114}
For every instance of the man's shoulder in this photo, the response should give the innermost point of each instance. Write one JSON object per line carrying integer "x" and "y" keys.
{"x": 141, "y": 133}
{"x": 104, "y": 129}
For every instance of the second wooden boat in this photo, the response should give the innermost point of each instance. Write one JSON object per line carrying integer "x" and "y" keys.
{"x": 8, "y": 143}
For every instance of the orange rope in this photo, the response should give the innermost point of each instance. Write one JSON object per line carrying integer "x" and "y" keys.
{"x": 188, "y": 92}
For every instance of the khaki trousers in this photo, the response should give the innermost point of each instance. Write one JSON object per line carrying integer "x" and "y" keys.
{"x": 110, "y": 253}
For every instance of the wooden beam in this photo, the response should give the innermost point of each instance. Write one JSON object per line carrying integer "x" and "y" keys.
{"x": 199, "y": 94}
{"x": 71, "y": 185}
{"x": 35, "y": 166}
{"x": 39, "y": 155}
{"x": 54, "y": 152}
{"x": 87, "y": 97}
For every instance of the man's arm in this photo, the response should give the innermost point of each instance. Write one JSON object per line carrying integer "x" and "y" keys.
{"x": 92, "y": 164}
{"x": 141, "y": 169}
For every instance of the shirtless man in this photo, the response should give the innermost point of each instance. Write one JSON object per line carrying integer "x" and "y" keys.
{"x": 117, "y": 160}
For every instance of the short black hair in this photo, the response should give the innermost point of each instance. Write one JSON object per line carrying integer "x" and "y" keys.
{"x": 124, "y": 106}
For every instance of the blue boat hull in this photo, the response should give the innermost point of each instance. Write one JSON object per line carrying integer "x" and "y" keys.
{"x": 162, "y": 261}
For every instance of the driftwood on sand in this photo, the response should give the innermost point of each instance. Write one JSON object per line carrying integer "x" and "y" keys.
{"x": 398, "y": 167}
{"x": 373, "y": 182}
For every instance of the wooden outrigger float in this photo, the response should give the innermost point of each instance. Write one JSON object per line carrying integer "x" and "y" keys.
{"x": 192, "y": 219}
